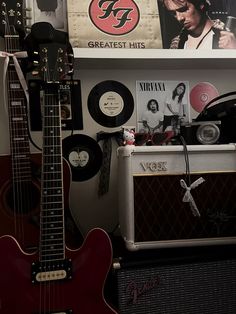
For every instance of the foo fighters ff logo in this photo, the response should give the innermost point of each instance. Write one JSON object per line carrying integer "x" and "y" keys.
{"x": 114, "y": 17}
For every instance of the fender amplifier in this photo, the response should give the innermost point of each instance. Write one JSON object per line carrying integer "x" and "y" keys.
{"x": 199, "y": 281}
{"x": 168, "y": 197}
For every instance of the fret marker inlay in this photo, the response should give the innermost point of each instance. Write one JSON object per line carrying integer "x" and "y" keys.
{"x": 14, "y": 86}
{"x": 16, "y": 103}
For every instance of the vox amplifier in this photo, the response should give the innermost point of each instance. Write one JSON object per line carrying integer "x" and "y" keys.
{"x": 169, "y": 197}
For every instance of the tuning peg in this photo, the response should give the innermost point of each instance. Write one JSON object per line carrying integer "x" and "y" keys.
{"x": 71, "y": 55}
{"x": 27, "y": 29}
{"x": 28, "y": 9}
{"x": 34, "y": 73}
{"x": 70, "y": 72}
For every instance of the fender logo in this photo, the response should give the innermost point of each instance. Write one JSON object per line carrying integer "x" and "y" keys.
{"x": 154, "y": 166}
{"x": 134, "y": 290}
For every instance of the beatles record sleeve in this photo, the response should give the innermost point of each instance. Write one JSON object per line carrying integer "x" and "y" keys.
{"x": 132, "y": 24}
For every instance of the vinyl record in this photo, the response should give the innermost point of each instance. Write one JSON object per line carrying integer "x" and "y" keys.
{"x": 84, "y": 156}
{"x": 201, "y": 94}
{"x": 110, "y": 103}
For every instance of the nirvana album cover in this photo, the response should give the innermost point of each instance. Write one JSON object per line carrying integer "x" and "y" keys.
{"x": 160, "y": 101}
{"x": 207, "y": 24}
{"x": 132, "y": 24}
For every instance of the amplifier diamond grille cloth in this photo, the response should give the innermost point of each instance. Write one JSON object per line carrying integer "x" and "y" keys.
{"x": 160, "y": 213}
{"x": 195, "y": 288}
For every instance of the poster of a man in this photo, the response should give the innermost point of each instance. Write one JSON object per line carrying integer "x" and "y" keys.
{"x": 197, "y": 24}
{"x": 51, "y": 11}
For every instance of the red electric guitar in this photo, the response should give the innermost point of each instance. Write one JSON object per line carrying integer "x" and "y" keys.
{"x": 56, "y": 280}
{"x": 20, "y": 172}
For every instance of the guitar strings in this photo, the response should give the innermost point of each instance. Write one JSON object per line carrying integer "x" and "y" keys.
{"x": 9, "y": 48}
{"x": 51, "y": 135}
{"x": 17, "y": 120}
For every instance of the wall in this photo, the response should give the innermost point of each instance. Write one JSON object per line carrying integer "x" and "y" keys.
{"x": 87, "y": 208}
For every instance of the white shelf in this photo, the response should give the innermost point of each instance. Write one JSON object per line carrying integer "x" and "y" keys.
{"x": 154, "y": 58}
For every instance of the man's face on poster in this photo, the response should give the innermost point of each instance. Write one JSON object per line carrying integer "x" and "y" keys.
{"x": 185, "y": 13}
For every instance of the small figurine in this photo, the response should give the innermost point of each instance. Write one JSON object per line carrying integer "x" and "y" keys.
{"x": 128, "y": 137}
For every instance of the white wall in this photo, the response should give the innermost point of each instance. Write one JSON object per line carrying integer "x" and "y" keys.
{"x": 89, "y": 210}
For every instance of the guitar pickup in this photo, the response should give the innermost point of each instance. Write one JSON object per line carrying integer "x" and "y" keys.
{"x": 51, "y": 271}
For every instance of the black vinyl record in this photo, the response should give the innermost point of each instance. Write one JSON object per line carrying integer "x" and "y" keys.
{"x": 84, "y": 156}
{"x": 110, "y": 103}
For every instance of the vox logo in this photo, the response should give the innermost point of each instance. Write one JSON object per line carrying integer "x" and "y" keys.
{"x": 114, "y": 17}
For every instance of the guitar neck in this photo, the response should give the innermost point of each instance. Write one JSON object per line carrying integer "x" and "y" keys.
{"x": 18, "y": 124}
{"x": 52, "y": 214}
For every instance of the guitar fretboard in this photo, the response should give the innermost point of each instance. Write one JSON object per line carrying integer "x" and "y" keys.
{"x": 52, "y": 213}
{"x": 18, "y": 124}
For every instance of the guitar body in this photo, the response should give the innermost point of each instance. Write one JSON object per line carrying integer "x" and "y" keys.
{"x": 82, "y": 294}
{"x": 22, "y": 222}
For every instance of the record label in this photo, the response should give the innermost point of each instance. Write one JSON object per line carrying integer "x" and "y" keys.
{"x": 78, "y": 158}
{"x": 110, "y": 103}
{"x": 84, "y": 156}
{"x": 201, "y": 94}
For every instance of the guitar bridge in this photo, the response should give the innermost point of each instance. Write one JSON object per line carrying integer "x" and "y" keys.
{"x": 52, "y": 271}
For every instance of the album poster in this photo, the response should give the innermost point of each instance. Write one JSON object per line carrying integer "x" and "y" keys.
{"x": 221, "y": 12}
{"x": 70, "y": 102}
{"x": 51, "y": 11}
{"x": 160, "y": 101}
{"x": 132, "y": 24}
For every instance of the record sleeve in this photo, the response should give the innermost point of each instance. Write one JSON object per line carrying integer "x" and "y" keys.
{"x": 70, "y": 101}
{"x": 119, "y": 24}
{"x": 51, "y": 11}
{"x": 167, "y": 102}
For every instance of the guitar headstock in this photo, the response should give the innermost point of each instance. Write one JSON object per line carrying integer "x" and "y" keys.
{"x": 50, "y": 53}
{"x": 11, "y": 17}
